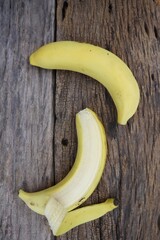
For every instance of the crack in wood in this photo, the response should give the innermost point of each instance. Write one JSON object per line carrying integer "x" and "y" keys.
{"x": 155, "y": 32}
{"x": 64, "y": 9}
{"x": 110, "y": 8}
{"x": 158, "y": 222}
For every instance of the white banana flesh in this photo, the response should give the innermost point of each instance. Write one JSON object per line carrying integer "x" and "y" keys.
{"x": 55, "y": 214}
{"x": 97, "y": 63}
{"x": 89, "y": 164}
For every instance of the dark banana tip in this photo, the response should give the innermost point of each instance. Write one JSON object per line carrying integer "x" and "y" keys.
{"x": 116, "y": 202}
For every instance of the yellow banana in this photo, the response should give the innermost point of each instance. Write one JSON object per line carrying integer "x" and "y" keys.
{"x": 86, "y": 172}
{"x": 62, "y": 221}
{"x": 97, "y": 63}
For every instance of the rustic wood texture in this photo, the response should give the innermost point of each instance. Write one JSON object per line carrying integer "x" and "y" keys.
{"x": 26, "y": 116}
{"x": 37, "y": 115}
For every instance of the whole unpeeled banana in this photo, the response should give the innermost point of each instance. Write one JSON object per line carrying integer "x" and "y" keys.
{"x": 97, "y": 63}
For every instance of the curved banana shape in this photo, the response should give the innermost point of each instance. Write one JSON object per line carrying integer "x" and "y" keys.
{"x": 86, "y": 172}
{"x": 97, "y": 63}
{"x": 62, "y": 221}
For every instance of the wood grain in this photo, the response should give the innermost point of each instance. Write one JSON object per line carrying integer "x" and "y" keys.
{"x": 131, "y": 30}
{"x": 26, "y": 116}
{"x": 38, "y": 139}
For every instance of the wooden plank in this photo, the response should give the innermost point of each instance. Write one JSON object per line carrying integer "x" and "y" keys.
{"x": 131, "y": 30}
{"x": 26, "y": 116}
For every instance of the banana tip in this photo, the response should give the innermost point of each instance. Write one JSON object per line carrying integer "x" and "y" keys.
{"x": 122, "y": 120}
{"x": 112, "y": 203}
{"x": 22, "y": 195}
{"x": 31, "y": 61}
{"x": 116, "y": 202}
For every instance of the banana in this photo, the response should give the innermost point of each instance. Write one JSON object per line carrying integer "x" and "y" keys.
{"x": 55, "y": 214}
{"x": 97, "y": 63}
{"x": 59, "y": 203}
{"x": 61, "y": 221}
{"x": 86, "y": 172}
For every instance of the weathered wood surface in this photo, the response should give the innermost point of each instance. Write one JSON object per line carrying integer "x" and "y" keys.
{"x": 38, "y": 107}
{"x": 26, "y": 116}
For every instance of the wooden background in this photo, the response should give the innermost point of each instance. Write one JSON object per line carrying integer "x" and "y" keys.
{"x": 37, "y": 115}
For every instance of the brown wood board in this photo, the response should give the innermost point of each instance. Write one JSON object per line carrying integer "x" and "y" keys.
{"x": 38, "y": 139}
